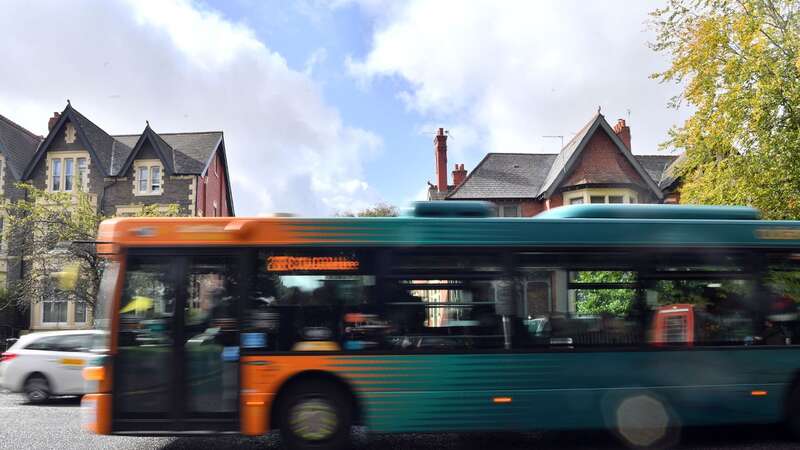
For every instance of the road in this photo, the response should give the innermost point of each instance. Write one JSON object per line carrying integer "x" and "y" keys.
{"x": 56, "y": 425}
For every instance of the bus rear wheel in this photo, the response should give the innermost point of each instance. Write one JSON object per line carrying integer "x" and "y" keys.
{"x": 315, "y": 414}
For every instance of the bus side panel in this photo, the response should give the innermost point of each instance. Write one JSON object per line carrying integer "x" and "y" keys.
{"x": 550, "y": 390}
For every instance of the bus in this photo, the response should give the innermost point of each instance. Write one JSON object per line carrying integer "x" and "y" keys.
{"x": 640, "y": 319}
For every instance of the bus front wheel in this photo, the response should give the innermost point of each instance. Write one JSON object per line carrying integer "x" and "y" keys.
{"x": 315, "y": 414}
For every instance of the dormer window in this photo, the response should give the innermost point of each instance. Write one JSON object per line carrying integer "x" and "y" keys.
{"x": 148, "y": 177}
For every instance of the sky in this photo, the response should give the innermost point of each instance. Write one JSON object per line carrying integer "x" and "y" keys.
{"x": 331, "y": 105}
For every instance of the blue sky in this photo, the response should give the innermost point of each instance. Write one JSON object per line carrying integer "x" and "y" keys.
{"x": 301, "y": 32}
{"x": 331, "y": 105}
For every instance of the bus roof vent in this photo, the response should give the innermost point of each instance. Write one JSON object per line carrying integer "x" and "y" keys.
{"x": 451, "y": 208}
{"x": 639, "y": 211}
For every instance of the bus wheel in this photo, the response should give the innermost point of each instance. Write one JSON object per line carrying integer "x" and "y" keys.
{"x": 646, "y": 422}
{"x": 36, "y": 389}
{"x": 315, "y": 415}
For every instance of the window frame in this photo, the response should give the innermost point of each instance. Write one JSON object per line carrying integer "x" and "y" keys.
{"x": 148, "y": 167}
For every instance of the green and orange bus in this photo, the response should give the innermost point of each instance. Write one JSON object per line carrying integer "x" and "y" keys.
{"x": 642, "y": 319}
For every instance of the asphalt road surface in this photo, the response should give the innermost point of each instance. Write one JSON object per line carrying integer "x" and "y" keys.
{"x": 56, "y": 425}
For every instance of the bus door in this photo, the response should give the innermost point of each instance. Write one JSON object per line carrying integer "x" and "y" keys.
{"x": 176, "y": 368}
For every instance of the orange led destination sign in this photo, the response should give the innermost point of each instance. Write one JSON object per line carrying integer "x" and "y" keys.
{"x": 290, "y": 263}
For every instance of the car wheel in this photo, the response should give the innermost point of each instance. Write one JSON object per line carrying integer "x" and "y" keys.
{"x": 37, "y": 389}
{"x": 315, "y": 414}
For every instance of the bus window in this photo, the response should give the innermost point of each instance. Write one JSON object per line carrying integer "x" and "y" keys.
{"x": 146, "y": 332}
{"x": 688, "y": 308}
{"x": 302, "y": 301}
{"x": 211, "y": 334}
{"x": 779, "y": 301}
{"x": 443, "y": 301}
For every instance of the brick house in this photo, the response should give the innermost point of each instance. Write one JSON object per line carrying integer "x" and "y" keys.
{"x": 120, "y": 172}
{"x": 595, "y": 166}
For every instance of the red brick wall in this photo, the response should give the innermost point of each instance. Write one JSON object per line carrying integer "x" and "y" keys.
{"x": 531, "y": 208}
{"x": 212, "y": 188}
{"x": 602, "y": 162}
{"x": 554, "y": 202}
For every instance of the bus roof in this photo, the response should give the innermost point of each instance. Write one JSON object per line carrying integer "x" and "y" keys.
{"x": 547, "y": 230}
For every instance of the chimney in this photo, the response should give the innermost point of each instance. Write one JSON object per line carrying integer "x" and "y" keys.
{"x": 52, "y": 122}
{"x": 624, "y": 132}
{"x": 459, "y": 174}
{"x": 440, "y": 142}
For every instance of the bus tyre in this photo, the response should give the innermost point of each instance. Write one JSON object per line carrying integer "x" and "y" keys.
{"x": 36, "y": 389}
{"x": 315, "y": 414}
{"x": 646, "y": 422}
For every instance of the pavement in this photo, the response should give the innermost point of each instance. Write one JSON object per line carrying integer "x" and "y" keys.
{"x": 57, "y": 425}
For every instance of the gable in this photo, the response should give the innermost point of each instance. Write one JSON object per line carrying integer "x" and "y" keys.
{"x": 572, "y": 155}
{"x": 601, "y": 162}
{"x": 86, "y": 136}
{"x": 66, "y": 138}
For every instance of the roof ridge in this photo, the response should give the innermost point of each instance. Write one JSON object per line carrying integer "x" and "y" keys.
{"x": 168, "y": 134}
{"x": 20, "y": 127}
{"x": 520, "y": 153}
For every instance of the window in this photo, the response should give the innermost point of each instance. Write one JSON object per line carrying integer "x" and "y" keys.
{"x": 54, "y": 311}
{"x": 143, "y": 179}
{"x": 82, "y": 169}
{"x": 63, "y": 171}
{"x": 146, "y": 332}
{"x": 55, "y": 171}
{"x": 212, "y": 332}
{"x": 75, "y": 343}
{"x": 780, "y": 299}
{"x": 155, "y": 179}
{"x": 509, "y": 211}
{"x": 616, "y": 199}
{"x": 49, "y": 343}
{"x": 597, "y": 199}
{"x": 68, "y": 173}
{"x": 576, "y": 201}
{"x": 148, "y": 177}
{"x": 80, "y": 312}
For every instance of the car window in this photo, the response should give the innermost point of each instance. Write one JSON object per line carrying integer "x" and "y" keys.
{"x": 45, "y": 343}
{"x": 75, "y": 343}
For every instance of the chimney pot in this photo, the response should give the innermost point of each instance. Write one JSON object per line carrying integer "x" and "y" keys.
{"x": 52, "y": 122}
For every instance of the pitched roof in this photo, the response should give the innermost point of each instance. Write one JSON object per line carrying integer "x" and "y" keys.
{"x": 656, "y": 165}
{"x": 100, "y": 145}
{"x": 506, "y": 175}
{"x": 18, "y": 145}
{"x": 670, "y": 175}
{"x": 190, "y": 152}
{"x": 569, "y": 155}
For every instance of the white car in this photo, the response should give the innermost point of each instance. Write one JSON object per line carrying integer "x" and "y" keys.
{"x": 50, "y": 363}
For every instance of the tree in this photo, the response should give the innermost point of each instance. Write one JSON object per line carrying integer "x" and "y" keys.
{"x": 739, "y": 63}
{"x": 52, "y": 232}
{"x": 614, "y": 301}
{"x": 379, "y": 210}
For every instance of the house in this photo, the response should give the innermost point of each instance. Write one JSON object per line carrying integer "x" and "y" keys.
{"x": 17, "y": 146}
{"x": 595, "y": 166}
{"x": 121, "y": 173}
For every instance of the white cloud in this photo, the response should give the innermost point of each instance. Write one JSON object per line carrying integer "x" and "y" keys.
{"x": 186, "y": 68}
{"x": 514, "y": 71}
